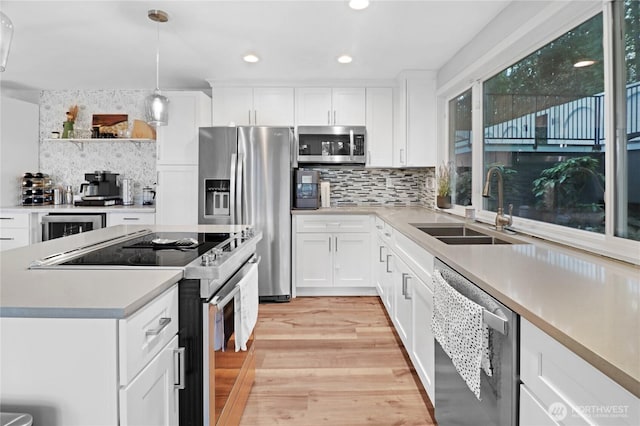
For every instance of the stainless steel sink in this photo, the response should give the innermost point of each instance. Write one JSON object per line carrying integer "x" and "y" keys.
{"x": 448, "y": 230}
{"x": 459, "y": 234}
{"x": 479, "y": 239}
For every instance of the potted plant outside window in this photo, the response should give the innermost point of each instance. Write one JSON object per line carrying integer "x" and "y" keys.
{"x": 444, "y": 177}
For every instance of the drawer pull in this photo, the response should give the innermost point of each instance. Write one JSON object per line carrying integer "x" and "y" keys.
{"x": 130, "y": 218}
{"x": 162, "y": 324}
{"x": 387, "y": 234}
{"x": 7, "y": 239}
{"x": 7, "y": 218}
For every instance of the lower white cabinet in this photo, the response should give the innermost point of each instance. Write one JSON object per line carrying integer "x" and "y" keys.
{"x": 177, "y": 195}
{"x": 333, "y": 261}
{"x": 151, "y": 398}
{"x": 567, "y": 388}
{"x": 94, "y": 371}
{"x": 114, "y": 219}
{"x": 402, "y": 273}
{"x": 15, "y": 230}
{"x": 403, "y": 306}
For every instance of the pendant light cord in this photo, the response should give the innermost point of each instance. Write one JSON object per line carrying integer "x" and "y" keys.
{"x": 158, "y": 57}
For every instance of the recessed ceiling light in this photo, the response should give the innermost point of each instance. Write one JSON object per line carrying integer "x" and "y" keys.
{"x": 251, "y": 58}
{"x": 358, "y": 4}
{"x": 584, "y": 63}
{"x": 345, "y": 59}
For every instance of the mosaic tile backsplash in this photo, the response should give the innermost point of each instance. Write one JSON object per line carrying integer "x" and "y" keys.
{"x": 67, "y": 162}
{"x": 368, "y": 187}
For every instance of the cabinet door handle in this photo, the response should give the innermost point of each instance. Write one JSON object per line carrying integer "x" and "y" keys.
{"x": 407, "y": 295}
{"x": 402, "y": 157}
{"x": 404, "y": 284}
{"x": 328, "y": 117}
{"x": 255, "y": 117}
{"x": 329, "y": 243}
{"x": 380, "y": 256}
{"x": 179, "y": 366}
{"x": 336, "y": 244}
{"x": 162, "y": 324}
{"x": 334, "y": 116}
{"x": 249, "y": 113}
{"x": 388, "y": 256}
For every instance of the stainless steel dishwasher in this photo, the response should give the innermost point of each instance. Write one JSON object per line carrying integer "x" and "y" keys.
{"x": 455, "y": 404}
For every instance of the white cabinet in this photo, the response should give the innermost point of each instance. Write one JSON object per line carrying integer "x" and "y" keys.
{"x": 15, "y": 230}
{"x": 178, "y": 141}
{"x": 177, "y": 195}
{"x": 327, "y": 106}
{"x": 262, "y": 106}
{"x": 95, "y": 371}
{"x": 422, "y": 351}
{"x": 403, "y": 306}
{"x": 334, "y": 261}
{"x": 403, "y": 280}
{"x": 121, "y": 218}
{"x": 565, "y": 386}
{"x": 379, "y": 119}
{"x": 415, "y": 143}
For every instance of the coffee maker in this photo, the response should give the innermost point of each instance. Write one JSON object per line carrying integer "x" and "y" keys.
{"x": 101, "y": 188}
{"x": 307, "y": 189}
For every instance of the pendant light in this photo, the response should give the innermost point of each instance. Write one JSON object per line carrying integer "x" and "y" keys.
{"x": 156, "y": 105}
{"x": 6, "y": 34}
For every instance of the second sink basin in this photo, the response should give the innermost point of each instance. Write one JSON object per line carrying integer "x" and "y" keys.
{"x": 479, "y": 239}
{"x": 448, "y": 230}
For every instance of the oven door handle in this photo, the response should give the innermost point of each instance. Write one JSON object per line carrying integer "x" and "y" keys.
{"x": 231, "y": 288}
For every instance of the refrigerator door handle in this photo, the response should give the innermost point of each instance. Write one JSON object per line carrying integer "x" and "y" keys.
{"x": 240, "y": 207}
{"x": 295, "y": 148}
{"x": 232, "y": 184}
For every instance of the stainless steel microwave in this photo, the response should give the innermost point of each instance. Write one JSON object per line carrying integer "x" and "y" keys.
{"x": 331, "y": 144}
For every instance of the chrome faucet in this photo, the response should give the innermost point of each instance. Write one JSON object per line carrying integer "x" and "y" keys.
{"x": 501, "y": 219}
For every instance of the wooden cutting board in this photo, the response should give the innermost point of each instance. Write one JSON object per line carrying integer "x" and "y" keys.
{"x": 142, "y": 130}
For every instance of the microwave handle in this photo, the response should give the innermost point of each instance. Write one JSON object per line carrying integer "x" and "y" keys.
{"x": 351, "y": 142}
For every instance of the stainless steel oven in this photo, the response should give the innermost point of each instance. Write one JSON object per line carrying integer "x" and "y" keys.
{"x": 56, "y": 225}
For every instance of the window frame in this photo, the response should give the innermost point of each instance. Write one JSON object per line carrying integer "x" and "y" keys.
{"x": 519, "y": 46}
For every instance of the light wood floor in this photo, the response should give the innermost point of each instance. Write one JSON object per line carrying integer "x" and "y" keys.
{"x": 332, "y": 361}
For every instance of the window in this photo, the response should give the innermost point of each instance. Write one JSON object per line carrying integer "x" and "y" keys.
{"x": 628, "y": 117}
{"x": 543, "y": 127}
{"x": 460, "y": 146}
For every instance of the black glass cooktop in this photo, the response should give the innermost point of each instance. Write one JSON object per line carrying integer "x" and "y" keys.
{"x": 141, "y": 251}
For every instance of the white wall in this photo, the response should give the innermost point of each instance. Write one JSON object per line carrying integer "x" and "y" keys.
{"x": 19, "y": 130}
{"x": 518, "y": 30}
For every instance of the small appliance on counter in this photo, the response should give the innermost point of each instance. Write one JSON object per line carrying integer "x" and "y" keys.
{"x": 307, "y": 189}
{"x": 148, "y": 196}
{"x": 37, "y": 189}
{"x": 101, "y": 189}
{"x": 127, "y": 192}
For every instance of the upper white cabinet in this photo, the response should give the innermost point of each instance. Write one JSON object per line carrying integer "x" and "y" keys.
{"x": 318, "y": 106}
{"x": 379, "y": 119}
{"x": 177, "y": 195}
{"x": 415, "y": 142}
{"x": 178, "y": 141}
{"x": 261, "y": 106}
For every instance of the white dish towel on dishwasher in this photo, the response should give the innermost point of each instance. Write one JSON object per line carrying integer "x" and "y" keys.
{"x": 246, "y": 308}
{"x": 457, "y": 325}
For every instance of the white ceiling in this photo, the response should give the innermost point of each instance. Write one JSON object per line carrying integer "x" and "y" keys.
{"x": 111, "y": 44}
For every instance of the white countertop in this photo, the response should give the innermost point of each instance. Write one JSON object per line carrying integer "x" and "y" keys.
{"x": 590, "y": 304}
{"x": 83, "y": 293}
{"x": 68, "y": 208}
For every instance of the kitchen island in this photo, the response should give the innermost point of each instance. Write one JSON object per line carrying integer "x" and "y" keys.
{"x": 95, "y": 346}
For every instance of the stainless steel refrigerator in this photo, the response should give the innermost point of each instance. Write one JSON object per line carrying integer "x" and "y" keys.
{"x": 245, "y": 178}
